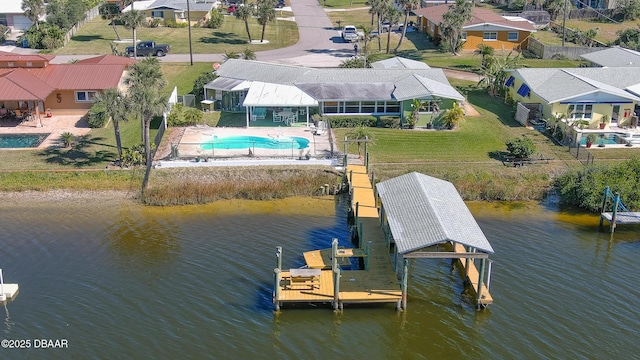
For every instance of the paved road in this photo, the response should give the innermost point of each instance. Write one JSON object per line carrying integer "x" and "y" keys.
{"x": 319, "y": 45}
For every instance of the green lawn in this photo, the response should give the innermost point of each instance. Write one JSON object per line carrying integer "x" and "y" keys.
{"x": 343, "y": 4}
{"x": 96, "y": 36}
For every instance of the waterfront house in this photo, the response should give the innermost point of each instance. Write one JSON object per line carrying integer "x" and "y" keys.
{"x": 578, "y": 93}
{"x": 31, "y": 83}
{"x": 485, "y": 27}
{"x": 387, "y": 89}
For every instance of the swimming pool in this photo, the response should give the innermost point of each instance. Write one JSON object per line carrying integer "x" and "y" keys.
{"x": 11, "y": 141}
{"x": 611, "y": 138}
{"x": 245, "y": 142}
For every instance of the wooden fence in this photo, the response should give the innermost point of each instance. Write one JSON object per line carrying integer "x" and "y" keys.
{"x": 88, "y": 16}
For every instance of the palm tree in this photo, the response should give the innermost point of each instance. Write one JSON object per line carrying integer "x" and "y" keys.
{"x": 230, "y": 55}
{"x": 454, "y": 116}
{"x": 360, "y": 134}
{"x": 367, "y": 36}
{"x": 146, "y": 83}
{"x": 407, "y": 7}
{"x": 243, "y": 13}
{"x": 117, "y": 108}
{"x": 111, "y": 12}
{"x": 452, "y": 22}
{"x": 249, "y": 54}
{"x": 132, "y": 20}
{"x": 377, "y": 7}
{"x": 392, "y": 15}
{"x": 484, "y": 50}
{"x": 494, "y": 74}
{"x": 266, "y": 14}
{"x": 33, "y": 9}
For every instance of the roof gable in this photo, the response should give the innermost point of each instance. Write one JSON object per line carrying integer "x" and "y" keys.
{"x": 20, "y": 84}
{"x": 81, "y": 76}
{"x": 478, "y": 17}
{"x": 614, "y": 57}
{"x": 423, "y": 211}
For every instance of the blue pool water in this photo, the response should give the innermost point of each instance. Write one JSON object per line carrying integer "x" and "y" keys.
{"x": 10, "y": 141}
{"x": 606, "y": 139}
{"x": 244, "y": 142}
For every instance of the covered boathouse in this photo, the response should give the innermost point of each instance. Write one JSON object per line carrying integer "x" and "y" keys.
{"x": 425, "y": 217}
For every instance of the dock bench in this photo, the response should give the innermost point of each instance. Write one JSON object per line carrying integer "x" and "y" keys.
{"x": 305, "y": 277}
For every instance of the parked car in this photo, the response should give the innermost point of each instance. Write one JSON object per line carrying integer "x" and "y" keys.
{"x": 350, "y": 33}
{"x": 148, "y": 48}
{"x": 385, "y": 27}
{"x": 232, "y": 9}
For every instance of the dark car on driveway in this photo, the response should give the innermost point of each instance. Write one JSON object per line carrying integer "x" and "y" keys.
{"x": 148, "y": 48}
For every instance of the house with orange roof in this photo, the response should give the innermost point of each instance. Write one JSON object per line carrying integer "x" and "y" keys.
{"x": 485, "y": 27}
{"x": 30, "y": 83}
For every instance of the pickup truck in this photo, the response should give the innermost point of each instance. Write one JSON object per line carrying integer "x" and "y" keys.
{"x": 350, "y": 33}
{"x": 148, "y": 48}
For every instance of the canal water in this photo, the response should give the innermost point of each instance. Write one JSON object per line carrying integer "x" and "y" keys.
{"x": 117, "y": 280}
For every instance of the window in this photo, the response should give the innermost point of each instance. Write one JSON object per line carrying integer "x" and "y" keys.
{"x": 393, "y": 107}
{"x": 368, "y": 107}
{"x": 3, "y": 19}
{"x": 580, "y": 111}
{"x": 490, "y": 35}
{"x": 510, "y": 81}
{"x": 10, "y": 64}
{"x": 512, "y": 36}
{"x": 157, "y": 14}
{"x": 352, "y": 107}
{"x": 464, "y": 35}
{"x": 524, "y": 90}
{"x": 29, "y": 64}
{"x": 85, "y": 96}
{"x": 433, "y": 27}
{"x": 330, "y": 107}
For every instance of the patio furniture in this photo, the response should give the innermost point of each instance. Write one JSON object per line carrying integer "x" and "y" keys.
{"x": 260, "y": 112}
{"x": 4, "y": 112}
{"x": 277, "y": 117}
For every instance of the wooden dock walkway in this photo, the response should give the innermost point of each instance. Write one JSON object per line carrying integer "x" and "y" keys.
{"x": 620, "y": 214}
{"x": 377, "y": 283}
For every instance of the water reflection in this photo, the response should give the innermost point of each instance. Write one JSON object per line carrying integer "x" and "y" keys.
{"x": 144, "y": 244}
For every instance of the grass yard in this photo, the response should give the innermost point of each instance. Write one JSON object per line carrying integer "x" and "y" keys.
{"x": 343, "y": 4}
{"x": 96, "y": 37}
{"x": 606, "y": 30}
{"x": 183, "y": 75}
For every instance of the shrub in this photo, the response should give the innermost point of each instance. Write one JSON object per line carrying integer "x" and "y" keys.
{"x": 521, "y": 147}
{"x": 215, "y": 21}
{"x": 346, "y": 121}
{"x": 67, "y": 139}
{"x": 585, "y": 187}
{"x": 392, "y": 122}
{"x": 176, "y": 116}
{"x": 97, "y": 116}
{"x": 193, "y": 116}
{"x": 174, "y": 24}
{"x": 133, "y": 156}
{"x": 155, "y": 22}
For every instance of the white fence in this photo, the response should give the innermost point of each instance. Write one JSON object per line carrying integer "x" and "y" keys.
{"x": 88, "y": 16}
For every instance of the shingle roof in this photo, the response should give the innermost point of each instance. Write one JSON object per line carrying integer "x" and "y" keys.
{"x": 555, "y": 85}
{"x": 424, "y": 211}
{"x": 326, "y": 83}
{"x": 614, "y": 57}
{"x": 181, "y": 5}
{"x": 397, "y": 62}
{"x": 478, "y": 17}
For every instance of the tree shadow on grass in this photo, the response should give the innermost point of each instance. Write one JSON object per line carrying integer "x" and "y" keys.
{"x": 498, "y": 155}
{"x": 79, "y": 155}
{"x": 86, "y": 38}
{"x": 223, "y": 38}
{"x": 410, "y": 54}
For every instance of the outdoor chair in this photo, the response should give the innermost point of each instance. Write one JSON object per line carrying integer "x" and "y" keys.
{"x": 4, "y": 112}
{"x": 19, "y": 115}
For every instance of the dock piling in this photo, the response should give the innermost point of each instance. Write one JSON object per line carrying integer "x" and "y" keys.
{"x": 405, "y": 283}
{"x": 614, "y": 215}
{"x": 366, "y": 253}
{"x": 480, "y": 281}
{"x": 336, "y": 288}
{"x": 2, "y": 296}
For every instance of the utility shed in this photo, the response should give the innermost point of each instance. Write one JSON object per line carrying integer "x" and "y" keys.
{"x": 425, "y": 217}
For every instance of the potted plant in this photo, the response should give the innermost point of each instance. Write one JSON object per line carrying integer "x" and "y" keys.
{"x": 604, "y": 120}
{"x": 409, "y": 122}
{"x": 591, "y": 138}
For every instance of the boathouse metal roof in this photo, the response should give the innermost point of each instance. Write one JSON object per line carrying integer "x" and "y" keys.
{"x": 423, "y": 211}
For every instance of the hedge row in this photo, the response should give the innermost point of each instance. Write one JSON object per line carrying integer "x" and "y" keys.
{"x": 352, "y": 121}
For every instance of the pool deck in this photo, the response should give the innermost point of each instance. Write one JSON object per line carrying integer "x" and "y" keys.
{"x": 190, "y": 145}
{"x": 54, "y": 126}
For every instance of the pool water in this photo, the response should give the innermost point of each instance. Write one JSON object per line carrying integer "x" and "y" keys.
{"x": 11, "y": 141}
{"x": 244, "y": 142}
{"x": 606, "y": 139}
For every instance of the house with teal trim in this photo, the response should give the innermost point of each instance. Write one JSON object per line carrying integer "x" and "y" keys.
{"x": 578, "y": 93}
{"x": 264, "y": 90}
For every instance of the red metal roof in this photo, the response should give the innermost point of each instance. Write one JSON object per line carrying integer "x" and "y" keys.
{"x": 80, "y": 76}
{"x": 20, "y": 84}
{"x": 479, "y": 16}
{"x": 7, "y": 56}
{"x": 108, "y": 60}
